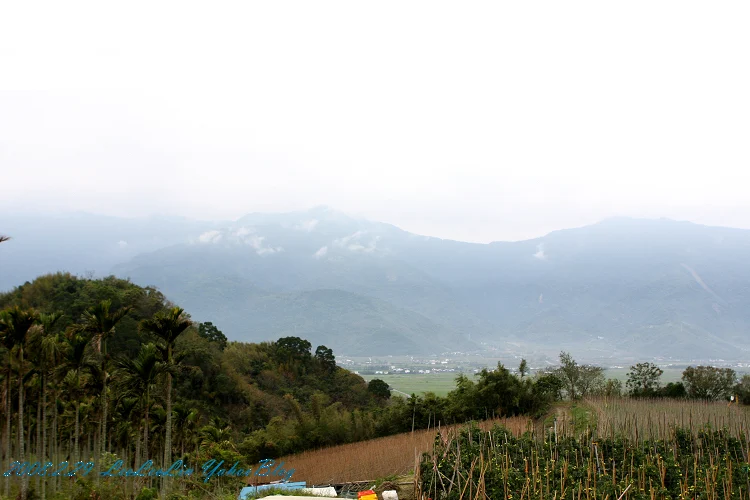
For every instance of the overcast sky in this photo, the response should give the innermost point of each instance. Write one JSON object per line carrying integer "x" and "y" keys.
{"x": 465, "y": 120}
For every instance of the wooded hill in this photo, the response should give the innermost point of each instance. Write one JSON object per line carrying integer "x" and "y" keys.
{"x": 98, "y": 369}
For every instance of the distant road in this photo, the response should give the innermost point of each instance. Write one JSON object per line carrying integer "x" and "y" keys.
{"x": 396, "y": 390}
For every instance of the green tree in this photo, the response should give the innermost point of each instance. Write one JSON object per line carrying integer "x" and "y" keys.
{"x": 379, "y": 388}
{"x": 548, "y": 386}
{"x": 293, "y": 354}
{"x": 17, "y": 323}
{"x": 708, "y": 382}
{"x": 499, "y": 392}
{"x": 293, "y": 348}
{"x": 77, "y": 365}
{"x": 211, "y": 333}
{"x": 168, "y": 326}
{"x": 7, "y": 344}
{"x": 214, "y": 435}
{"x": 674, "y": 390}
{"x": 569, "y": 374}
{"x": 137, "y": 378}
{"x": 590, "y": 379}
{"x": 99, "y": 322}
{"x": 48, "y": 354}
{"x": 463, "y": 402}
{"x": 612, "y": 388}
{"x": 643, "y": 380}
{"x": 523, "y": 368}
{"x": 742, "y": 390}
{"x": 185, "y": 421}
{"x": 325, "y": 357}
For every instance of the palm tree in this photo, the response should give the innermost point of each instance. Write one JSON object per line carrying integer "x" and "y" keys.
{"x": 213, "y": 435}
{"x": 100, "y": 323}
{"x": 6, "y": 342}
{"x": 17, "y": 323}
{"x": 125, "y": 413}
{"x": 4, "y": 238}
{"x": 186, "y": 420}
{"x": 157, "y": 428}
{"x": 136, "y": 378}
{"x": 48, "y": 351}
{"x": 78, "y": 364}
{"x": 167, "y": 326}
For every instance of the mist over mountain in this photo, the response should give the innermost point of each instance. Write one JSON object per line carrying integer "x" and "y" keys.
{"x": 621, "y": 288}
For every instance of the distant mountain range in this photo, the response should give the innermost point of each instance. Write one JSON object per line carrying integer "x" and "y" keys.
{"x": 621, "y": 288}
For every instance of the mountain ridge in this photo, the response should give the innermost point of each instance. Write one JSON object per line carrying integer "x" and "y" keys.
{"x": 615, "y": 279}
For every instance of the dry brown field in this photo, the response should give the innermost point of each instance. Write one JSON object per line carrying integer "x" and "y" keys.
{"x": 656, "y": 418}
{"x": 376, "y": 458}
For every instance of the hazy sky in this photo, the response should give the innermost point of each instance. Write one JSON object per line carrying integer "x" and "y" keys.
{"x": 466, "y": 120}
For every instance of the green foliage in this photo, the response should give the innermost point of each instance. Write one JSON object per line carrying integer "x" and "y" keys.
{"x": 569, "y": 374}
{"x": 710, "y": 464}
{"x": 211, "y": 333}
{"x": 742, "y": 389}
{"x": 590, "y": 380}
{"x": 708, "y": 382}
{"x": 612, "y": 388}
{"x": 549, "y": 386}
{"x": 583, "y": 418}
{"x": 225, "y": 397}
{"x": 292, "y": 348}
{"x": 579, "y": 380}
{"x": 523, "y": 368}
{"x": 379, "y": 389}
{"x": 674, "y": 390}
{"x": 325, "y": 357}
{"x": 643, "y": 380}
{"x": 147, "y": 494}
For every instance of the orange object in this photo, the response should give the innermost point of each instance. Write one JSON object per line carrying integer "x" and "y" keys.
{"x": 367, "y": 495}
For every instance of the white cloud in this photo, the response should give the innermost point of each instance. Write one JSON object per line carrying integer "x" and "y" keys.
{"x": 213, "y": 236}
{"x": 354, "y": 242}
{"x": 357, "y": 247}
{"x": 122, "y": 243}
{"x": 243, "y": 235}
{"x": 540, "y": 252}
{"x": 243, "y": 231}
{"x": 321, "y": 252}
{"x": 257, "y": 243}
{"x": 343, "y": 242}
{"x": 307, "y": 225}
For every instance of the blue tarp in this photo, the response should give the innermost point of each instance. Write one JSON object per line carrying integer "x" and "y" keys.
{"x": 251, "y": 490}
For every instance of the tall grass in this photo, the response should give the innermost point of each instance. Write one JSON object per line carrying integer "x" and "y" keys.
{"x": 656, "y": 418}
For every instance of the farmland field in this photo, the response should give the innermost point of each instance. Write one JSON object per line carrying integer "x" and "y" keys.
{"x": 678, "y": 452}
{"x": 442, "y": 383}
{"x": 439, "y": 383}
{"x": 656, "y": 418}
{"x": 601, "y": 449}
{"x": 376, "y": 458}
